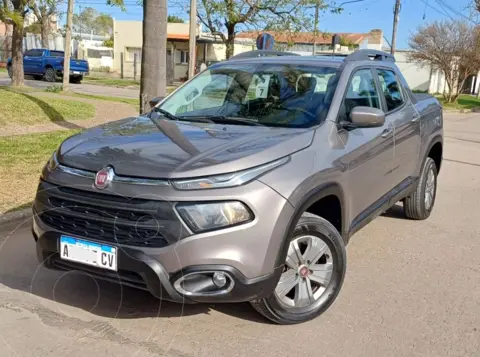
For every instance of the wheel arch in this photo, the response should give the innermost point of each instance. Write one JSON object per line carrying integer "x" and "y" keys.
{"x": 325, "y": 191}
{"x": 435, "y": 148}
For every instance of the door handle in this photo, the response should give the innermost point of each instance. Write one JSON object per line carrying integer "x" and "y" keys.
{"x": 416, "y": 118}
{"x": 386, "y": 132}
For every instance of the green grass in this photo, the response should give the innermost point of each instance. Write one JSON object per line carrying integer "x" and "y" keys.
{"x": 111, "y": 81}
{"x": 21, "y": 162}
{"x": 4, "y": 70}
{"x": 465, "y": 101}
{"x": 20, "y": 108}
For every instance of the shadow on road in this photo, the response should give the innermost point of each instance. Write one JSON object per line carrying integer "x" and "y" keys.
{"x": 20, "y": 270}
{"x": 396, "y": 211}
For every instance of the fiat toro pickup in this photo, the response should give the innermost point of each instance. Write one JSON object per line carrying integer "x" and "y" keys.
{"x": 245, "y": 184}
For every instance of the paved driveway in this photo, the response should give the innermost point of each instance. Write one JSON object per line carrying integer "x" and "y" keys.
{"x": 79, "y": 88}
{"x": 412, "y": 289}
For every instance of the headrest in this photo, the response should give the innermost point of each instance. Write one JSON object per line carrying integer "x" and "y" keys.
{"x": 306, "y": 84}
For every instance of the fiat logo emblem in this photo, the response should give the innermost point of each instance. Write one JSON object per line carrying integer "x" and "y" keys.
{"x": 103, "y": 178}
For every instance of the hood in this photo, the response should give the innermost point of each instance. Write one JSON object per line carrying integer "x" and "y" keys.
{"x": 138, "y": 147}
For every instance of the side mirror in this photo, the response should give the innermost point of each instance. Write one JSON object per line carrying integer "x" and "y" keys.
{"x": 367, "y": 117}
{"x": 154, "y": 101}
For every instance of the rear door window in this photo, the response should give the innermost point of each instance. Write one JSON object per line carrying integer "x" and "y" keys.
{"x": 36, "y": 53}
{"x": 56, "y": 54}
{"x": 391, "y": 89}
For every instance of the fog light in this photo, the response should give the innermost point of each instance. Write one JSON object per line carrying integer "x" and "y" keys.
{"x": 219, "y": 279}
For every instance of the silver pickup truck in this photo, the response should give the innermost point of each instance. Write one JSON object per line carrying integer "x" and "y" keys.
{"x": 245, "y": 184}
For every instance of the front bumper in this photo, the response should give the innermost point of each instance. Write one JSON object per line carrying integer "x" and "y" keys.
{"x": 247, "y": 253}
{"x": 139, "y": 270}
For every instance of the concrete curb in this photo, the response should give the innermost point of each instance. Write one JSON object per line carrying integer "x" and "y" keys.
{"x": 463, "y": 111}
{"x": 16, "y": 216}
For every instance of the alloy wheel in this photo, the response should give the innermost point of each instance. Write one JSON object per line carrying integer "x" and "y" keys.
{"x": 429, "y": 189}
{"x": 307, "y": 272}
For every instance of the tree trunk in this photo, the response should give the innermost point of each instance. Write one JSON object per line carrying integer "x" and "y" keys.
{"x": 17, "y": 56}
{"x": 154, "y": 52}
{"x": 44, "y": 29}
{"x": 7, "y": 43}
{"x": 229, "y": 47}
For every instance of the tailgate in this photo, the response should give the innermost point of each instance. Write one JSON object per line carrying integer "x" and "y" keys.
{"x": 78, "y": 65}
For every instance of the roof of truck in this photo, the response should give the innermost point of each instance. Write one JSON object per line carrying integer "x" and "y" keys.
{"x": 272, "y": 56}
{"x": 304, "y": 60}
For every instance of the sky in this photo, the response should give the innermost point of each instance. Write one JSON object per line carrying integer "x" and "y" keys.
{"x": 361, "y": 16}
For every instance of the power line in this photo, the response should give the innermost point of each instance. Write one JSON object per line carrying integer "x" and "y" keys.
{"x": 445, "y": 6}
{"x": 396, "y": 14}
{"x": 437, "y": 10}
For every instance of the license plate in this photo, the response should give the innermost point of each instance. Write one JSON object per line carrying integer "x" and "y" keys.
{"x": 75, "y": 72}
{"x": 89, "y": 253}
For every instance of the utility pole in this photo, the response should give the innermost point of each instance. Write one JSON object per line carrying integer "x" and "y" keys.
{"x": 68, "y": 44}
{"x": 193, "y": 38}
{"x": 396, "y": 13}
{"x": 80, "y": 14}
{"x": 315, "y": 30}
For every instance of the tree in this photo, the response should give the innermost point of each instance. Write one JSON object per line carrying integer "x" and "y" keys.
{"x": 451, "y": 46}
{"x": 12, "y": 12}
{"x": 90, "y": 20}
{"x": 175, "y": 19}
{"x": 109, "y": 42}
{"x": 223, "y": 17}
{"x": 43, "y": 11}
{"x": 154, "y": 51}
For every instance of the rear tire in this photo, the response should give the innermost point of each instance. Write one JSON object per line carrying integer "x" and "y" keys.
{"x": 50, "y": 75}
{"x": 76, "y": 80}
{"x": 420, "y": 203}
{"x": 308, "y": 286}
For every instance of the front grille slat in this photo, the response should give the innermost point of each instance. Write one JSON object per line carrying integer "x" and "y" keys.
{"x": 123, "y": 277}
{"x": 113, "y": 221}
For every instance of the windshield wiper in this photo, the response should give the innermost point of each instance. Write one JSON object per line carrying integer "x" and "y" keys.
{"x": 226, "y": 119}
{"x": 165, "y": 113}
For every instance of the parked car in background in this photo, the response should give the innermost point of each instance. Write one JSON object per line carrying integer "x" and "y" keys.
{"x": 48, "y": 64}
{"x": 245, "y": 184}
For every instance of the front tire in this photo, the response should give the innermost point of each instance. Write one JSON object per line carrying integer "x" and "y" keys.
{"x": 420, "y": 203}
{"x": 312, "y": 276}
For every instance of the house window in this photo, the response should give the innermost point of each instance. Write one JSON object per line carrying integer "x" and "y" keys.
{"x": 131, "y": 51}
{"x": 181, "y": 57}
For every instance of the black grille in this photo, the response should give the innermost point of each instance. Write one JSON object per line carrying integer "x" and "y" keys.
{"x": 108, "y": 218}
{"x": 121, "y": 276}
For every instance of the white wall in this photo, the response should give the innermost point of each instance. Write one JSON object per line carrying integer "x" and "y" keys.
{"x": 417, "y": 77}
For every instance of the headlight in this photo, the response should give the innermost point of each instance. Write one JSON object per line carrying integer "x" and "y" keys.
{"x": 50, "y": 166}
{"x": 52, "y": 163}
{"x": 227, "y": 180}
{"x": 209, "y": 216}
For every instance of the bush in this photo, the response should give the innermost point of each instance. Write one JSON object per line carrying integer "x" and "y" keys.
{"x": 56, "y": 88}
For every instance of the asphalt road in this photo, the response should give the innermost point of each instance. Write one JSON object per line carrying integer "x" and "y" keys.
{"x": 412, "y": 289}
{"x": 79, "y": 88}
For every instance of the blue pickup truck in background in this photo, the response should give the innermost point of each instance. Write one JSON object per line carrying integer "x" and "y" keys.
{"x": 48, "y": 64}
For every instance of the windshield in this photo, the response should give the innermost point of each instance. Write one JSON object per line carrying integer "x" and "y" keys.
{"x": 283, "y": 95}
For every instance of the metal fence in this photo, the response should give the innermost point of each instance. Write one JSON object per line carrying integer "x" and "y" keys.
{"x": 30, "y": 41}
